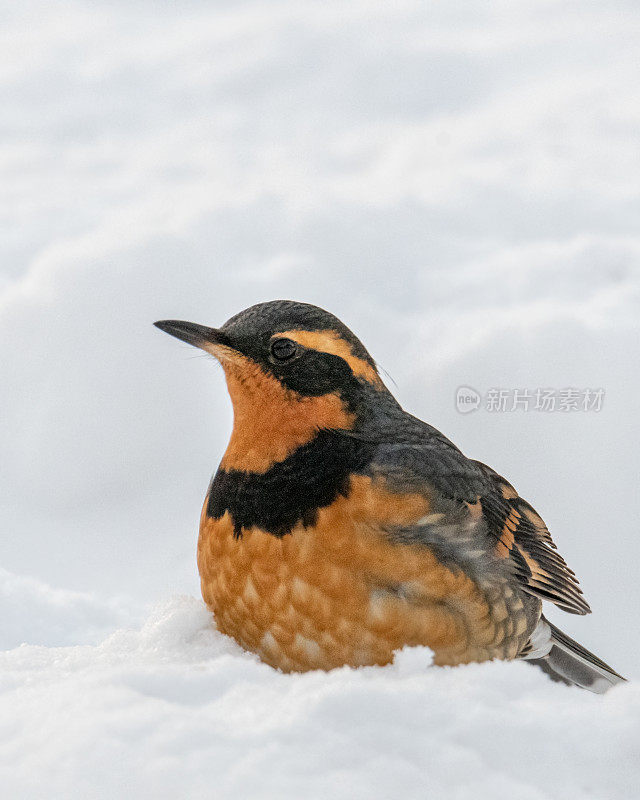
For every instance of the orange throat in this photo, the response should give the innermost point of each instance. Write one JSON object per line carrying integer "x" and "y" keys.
{"x": 271, "y": 421}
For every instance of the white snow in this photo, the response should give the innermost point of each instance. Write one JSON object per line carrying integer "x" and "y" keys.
{"x": 457, "y": 181}
{"x": 176, "y": 710}
{"x": 33, "y": 611}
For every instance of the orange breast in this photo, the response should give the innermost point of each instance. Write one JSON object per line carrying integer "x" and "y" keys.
{"x": 340, "y": 593}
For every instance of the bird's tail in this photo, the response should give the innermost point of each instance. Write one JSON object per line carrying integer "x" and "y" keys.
{"x": 567, "y": 661}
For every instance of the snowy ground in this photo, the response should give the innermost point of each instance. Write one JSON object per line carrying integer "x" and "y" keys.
{"x": 460, "y": 183}
{"x": 176, "y": 710}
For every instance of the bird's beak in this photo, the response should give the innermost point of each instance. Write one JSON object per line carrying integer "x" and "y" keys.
{"x": 212, "y": 340}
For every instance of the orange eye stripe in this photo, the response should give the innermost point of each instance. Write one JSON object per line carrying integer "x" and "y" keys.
{"x": 329, "y": 341}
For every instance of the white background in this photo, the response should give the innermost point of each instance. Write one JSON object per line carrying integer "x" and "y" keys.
{"x": 459, "y": 182}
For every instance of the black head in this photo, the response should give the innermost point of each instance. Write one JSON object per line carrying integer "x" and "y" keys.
{"x": 302, "y": 387}
{"x": 308, "y": 350}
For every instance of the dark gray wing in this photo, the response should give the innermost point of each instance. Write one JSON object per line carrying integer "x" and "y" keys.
{"x": 477, "y": 517}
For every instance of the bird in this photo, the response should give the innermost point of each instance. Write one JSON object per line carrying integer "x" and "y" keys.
{"x": 338, "y": 528}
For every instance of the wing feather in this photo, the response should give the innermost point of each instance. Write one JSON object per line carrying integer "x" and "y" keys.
{"x": 521, "y": 536}
{"x": 465, "y": 493}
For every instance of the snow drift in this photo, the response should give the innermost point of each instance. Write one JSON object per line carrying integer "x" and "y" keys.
{"x": 458, "y": 178}
{"x": 175, "y": 709}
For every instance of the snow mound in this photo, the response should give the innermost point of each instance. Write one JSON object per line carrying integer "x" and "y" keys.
{"x": 175, "y": 709}
{"x": 35, "y": 612}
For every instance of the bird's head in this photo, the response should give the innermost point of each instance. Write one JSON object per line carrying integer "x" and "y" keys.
{"x": 292, "y": 369}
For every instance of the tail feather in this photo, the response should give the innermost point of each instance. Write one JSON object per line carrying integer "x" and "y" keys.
{"x": 564, "y": 660}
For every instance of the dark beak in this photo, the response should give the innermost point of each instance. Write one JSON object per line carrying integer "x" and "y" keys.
{"x": 192, "y": 333}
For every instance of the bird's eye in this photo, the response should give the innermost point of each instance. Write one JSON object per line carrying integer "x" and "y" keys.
{"x": 283, "y": 349}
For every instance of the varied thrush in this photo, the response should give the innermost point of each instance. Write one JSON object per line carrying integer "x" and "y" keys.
{"x": 339, "y": 528}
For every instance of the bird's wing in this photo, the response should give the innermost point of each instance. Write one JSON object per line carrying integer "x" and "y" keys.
{"x": 521, "y": 536}
{"x": 478, "y": 517}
